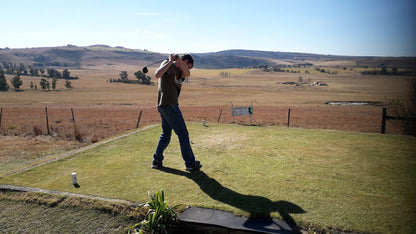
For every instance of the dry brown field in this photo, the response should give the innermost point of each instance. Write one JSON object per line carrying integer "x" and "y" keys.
{"x": 103, "y": 109}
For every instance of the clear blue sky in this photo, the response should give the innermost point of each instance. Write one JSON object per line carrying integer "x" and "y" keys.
{"x": 338, "y": 27}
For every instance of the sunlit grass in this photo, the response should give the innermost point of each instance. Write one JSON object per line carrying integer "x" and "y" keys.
{"x": 215, "y": 73}
{"x": 354, "y": 181}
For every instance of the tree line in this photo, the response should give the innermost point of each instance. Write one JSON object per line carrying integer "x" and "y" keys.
{"x": 382, "y": 71}
{"x": 140, "y": 76}
{"x": 267, "y": 68}
{"x": 17, "y": 82}
{"x": 21, "y": 69}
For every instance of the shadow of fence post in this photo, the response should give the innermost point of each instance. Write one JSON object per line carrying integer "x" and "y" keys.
{"x": 388, "y": 117}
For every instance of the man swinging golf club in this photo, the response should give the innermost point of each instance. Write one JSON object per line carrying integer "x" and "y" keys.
{"x": 171, "y": 73}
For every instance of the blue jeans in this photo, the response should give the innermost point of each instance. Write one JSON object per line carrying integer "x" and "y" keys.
{"x": 172, "y": 119}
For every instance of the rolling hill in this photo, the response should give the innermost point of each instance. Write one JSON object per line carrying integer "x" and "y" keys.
{"x": 80, "y": 57}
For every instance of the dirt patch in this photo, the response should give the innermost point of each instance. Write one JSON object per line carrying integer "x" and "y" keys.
{"x": 227, "y": 140}
{"x": 21, "y": 151}
{"x": 28, "y": 148}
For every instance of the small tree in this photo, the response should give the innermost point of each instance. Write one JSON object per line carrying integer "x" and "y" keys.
{"x": 57, "y": 74}
{"x": 3, "y": 82}
{"x": 16, "y": 82}
{"x": 32, "y": 85}
{"x": 21, "y": 68}
{"x": 54, "y": 80}
{"x": 44, "y": 83}
{"x": 68, "y": 84}
{"x": 124, "y": 76}
{"x": 66, "y": 74}
{"x": 33, "y": 71}
{"x": 51, "y": 72}
{"x": 143, "y": 79}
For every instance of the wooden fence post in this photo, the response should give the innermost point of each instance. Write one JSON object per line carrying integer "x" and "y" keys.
{"x": 73, "y": 120}
{"x": 138, "y": 121}
{"x": 47, "y": 121}
{"x": 219, "y": 117}
{"x": 1, "y": 114}
{"x": 288, "y": 118}
{"x": 383, "y": 121}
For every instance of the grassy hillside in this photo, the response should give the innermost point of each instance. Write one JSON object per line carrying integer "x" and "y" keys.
{"x": 73, "y": 56}
{"x": 348, "y": 181}
{"x": 223, "y": 61}
{"x": 81, "y": 57}
{"x": 76, "y": 57}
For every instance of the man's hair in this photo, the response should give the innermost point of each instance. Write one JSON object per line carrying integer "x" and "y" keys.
{"x": 189, "y": 58}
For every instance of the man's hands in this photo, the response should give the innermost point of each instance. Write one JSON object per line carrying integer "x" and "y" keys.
{"x": 181, "y": 65}
{"x": 173, "y": 59}
{"x": 162, "y": 69}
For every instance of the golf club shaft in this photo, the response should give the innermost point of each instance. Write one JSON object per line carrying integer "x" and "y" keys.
{"x": 155, "y": 62}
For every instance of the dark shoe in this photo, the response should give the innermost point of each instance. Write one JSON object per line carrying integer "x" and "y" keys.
{"x": 156, "y": 165}
{"x": 197, "y": 165}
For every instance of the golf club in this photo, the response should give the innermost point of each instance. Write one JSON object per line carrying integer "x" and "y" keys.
{"x": 145, "y": 70}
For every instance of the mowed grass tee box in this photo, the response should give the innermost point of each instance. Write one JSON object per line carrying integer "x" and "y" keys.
{"x": 350, "y": 181}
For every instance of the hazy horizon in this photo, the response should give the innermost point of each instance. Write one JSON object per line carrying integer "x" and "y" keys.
{"x": 198, "y": 52}
{"x": 346, "y": 28}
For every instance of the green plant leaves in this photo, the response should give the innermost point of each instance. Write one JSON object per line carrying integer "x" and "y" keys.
{"x": 160, "y": 218}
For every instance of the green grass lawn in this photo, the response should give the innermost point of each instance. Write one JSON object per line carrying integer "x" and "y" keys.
{"x": 350, "y": 181}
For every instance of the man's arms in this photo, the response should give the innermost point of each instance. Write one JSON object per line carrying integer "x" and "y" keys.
{"x": 184, "y": 68}
{"x": 162, "y": 69}
{"x": 173, "y": 58}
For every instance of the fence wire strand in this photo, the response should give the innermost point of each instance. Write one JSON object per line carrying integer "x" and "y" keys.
{"x": 101, "y": 122}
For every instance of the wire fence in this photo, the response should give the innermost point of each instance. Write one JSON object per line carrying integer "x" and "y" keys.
{"x": 97, "y": 122}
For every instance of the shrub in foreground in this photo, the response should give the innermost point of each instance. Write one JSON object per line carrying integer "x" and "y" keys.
{"x": 160, "y": 218}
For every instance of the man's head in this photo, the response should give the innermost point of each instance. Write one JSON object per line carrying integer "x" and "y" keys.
{"x": 189, "y": 60}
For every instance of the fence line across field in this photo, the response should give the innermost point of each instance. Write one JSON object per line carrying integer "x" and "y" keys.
{"x": 106, "y": 121}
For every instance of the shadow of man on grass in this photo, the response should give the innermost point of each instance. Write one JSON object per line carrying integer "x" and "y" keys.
{"x": 257, "y": 206}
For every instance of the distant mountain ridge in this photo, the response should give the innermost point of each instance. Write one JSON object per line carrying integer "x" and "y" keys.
{"x": 268, "y": 54}
{"x": 78, "y": 57}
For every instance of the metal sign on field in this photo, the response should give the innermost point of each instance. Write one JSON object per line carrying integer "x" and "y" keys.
{"x": 244, "y": 110}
